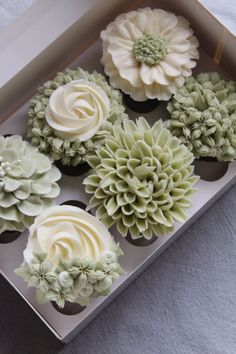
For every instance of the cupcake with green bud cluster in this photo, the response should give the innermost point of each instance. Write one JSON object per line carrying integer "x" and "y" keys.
{"x": 203, "y": 116}
{"x": 70, "y": 257}
{"x": 142, "y": 179}
{"x": 28, "y": 183}
{"x": 72, "y": 115}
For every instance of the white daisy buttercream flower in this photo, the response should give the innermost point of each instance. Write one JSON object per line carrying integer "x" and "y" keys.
{"x": 149, "y": 53}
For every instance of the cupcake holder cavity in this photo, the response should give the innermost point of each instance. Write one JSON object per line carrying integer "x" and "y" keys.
{"x": 210, "y": 169}
{"x": 136, "y": 258}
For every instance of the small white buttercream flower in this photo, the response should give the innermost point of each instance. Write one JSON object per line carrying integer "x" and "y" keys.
{"x": 108, "y": 257}
{"x": 65, "y": 279}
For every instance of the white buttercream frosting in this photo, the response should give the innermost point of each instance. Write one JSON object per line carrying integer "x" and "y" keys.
{"x": 77, "y": 110}
{"x": 66, "y": 232}
{"x": 149, "y": 79}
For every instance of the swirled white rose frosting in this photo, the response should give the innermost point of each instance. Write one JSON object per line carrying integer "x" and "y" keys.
{"x": 66, "y": 232}
{"x": 77, "y": 110}
{"x": 149, "y": 53}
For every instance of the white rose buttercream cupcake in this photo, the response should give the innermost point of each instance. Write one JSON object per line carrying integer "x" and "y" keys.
{"x": 71, "y": 116}
{"x": 149, "y": 53}
{"x": 70, "y": 256}
{"x": 77, "y": 110}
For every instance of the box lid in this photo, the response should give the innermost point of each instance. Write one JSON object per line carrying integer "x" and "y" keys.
{"x": 33, "y": 48}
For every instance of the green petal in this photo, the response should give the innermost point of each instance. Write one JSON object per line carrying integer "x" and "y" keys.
{"x": 16, "y": 171}
{"x": 31, "y": 207}
{"x": 43, "y": 162}
{"x": 7, "y": 200}
{"x": 112, "y": 206}
{"x": 128, "y": 220}
{"x": 11, "y": 184}
{"x": 55, "y": 191}
{"x": 24, "y": 191}
{"x": 110, "y": 178}
{"x": 28, "y": 165}
{"x": 178, "y": 214}
{"x": 143, "y": 171}
{"x": 11, "y": 214}
{"x": 122, "y": 228}
{"x": 9, "y": 155}
{"x": 40, "y": 188}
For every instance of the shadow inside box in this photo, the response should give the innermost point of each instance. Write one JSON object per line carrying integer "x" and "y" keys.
{"x": 159, "y": 111}
{"x": 75, "y": 203}
{"x": 78, "y": 204}
{"x": 209, "y": 169}
{"x": 21, "y": 329}
{"x": 24, "y": 136}
{"x": 140, "y": 242}
{"x": 71, "y": 171}
{"x": 140, "y": 107}
{"x": 69, "y": 309}
{"x": 9, "y": 236}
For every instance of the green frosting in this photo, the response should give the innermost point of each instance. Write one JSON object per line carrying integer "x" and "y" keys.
{"x": 203, "y": 116}
{"x": 27, "y": 183}
{"x": 42, "y": 135}
{"x": 142, "y": 179}
{"x": 75, "y": 281}
{"x": 150, "y": 49}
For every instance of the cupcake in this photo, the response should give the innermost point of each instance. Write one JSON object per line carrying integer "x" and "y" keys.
{"x": 141, "y": 180}
{"x": 203, "y": 117}
{"x": 71, "y": 115}
{"x": 70, "y": 257}
{"x": 27, "y": 184}
{"x": 148, "y": 53}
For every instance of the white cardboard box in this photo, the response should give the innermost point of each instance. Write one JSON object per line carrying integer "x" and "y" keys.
{"x": 35, "y": 56}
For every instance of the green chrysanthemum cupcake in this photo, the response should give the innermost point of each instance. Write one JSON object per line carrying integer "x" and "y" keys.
{"x": 73, "y": 114}
{"x": 27, "y": 183}
{"x": 203, "y": 116}
{"x": 142, "y": 179}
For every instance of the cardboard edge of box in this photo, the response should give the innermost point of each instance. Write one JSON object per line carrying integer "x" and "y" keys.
{"x": 35, "y": 70}
{"x": 41, "y": 62}
{"x": 40, "y": 59}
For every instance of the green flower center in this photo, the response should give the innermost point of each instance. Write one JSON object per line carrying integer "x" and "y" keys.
{"x": 150, "y": 49}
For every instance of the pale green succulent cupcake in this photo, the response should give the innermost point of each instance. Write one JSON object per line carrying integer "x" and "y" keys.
{"x": 73, "y": 114}
{"x": 203, "y": 116}
{"x": 141, "y": 180}
{"x": 27, "y": 183}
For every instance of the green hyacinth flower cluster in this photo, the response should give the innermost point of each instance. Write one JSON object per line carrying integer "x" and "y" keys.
{"x": 141, "y": 179}
{"x": 75, "y": 281}
{"x": 27, "y": 183}
{"x": 42, "y": 135}
{"x": 203, "y": 116}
